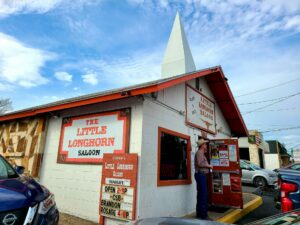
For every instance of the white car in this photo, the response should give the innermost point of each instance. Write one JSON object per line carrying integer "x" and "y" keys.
{"x": 253, "y": 174}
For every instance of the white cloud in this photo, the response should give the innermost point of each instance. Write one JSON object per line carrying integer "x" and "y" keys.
{"x": 51, "y": 98}
{"x": 6, "y": 87}
{"x": 293, "y": 23}
{"x": 116, "y": 72}
{"x": 90, "y": 78}
{"x": 10, "y": 7}
{"x": 19, "y": 64}
{"x": 63, "y": 76}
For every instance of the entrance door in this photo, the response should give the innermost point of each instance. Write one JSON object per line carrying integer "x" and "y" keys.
{"x": 225, "y": 185}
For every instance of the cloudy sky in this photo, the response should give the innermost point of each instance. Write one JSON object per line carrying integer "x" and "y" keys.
{"x": 55, "y": 49}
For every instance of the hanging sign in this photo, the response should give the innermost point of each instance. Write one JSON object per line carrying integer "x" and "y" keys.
{"x": 118, "y": 186}
{"x": 84, "y": 139}
{"x": 200, "y": 111}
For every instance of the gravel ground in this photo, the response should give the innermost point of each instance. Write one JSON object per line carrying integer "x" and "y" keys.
{"x": 66, "y": 219}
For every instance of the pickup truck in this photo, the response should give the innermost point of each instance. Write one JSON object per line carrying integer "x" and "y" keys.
{"x": 288, "y": 190}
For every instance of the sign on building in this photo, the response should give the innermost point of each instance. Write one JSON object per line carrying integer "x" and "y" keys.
{"x": 200, "y": 111}
{"x": 84, "y": 139}
{"x": 118, "y": 186}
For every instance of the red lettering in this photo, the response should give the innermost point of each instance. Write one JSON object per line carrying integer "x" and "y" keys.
{"x": 91, "y": 130}
{"x": 91, "y": 122}
{"x": 91, "y": 142}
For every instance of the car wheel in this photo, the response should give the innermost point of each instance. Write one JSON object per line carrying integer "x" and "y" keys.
{"x": 260, "y": 182}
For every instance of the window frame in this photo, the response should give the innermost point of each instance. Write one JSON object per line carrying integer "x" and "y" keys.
{"x": 188, "y": 155}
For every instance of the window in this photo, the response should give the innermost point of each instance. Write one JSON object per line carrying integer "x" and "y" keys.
{"x": 295, "y": 167}
{"x": 6, "y": 171}
{"x": 174, "y": 158}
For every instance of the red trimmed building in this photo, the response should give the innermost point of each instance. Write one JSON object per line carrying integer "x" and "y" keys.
{"x": 62, "y": 143}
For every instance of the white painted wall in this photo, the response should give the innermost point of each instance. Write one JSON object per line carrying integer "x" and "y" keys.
{"x": 243, "y": 142}
{"x": 272, "y": 161}
{"x": 77, "y": 187}
{"x": 175, "y": 200}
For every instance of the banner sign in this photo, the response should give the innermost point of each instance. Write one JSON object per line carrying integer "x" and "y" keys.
{"x": 200, "y": 111}
{"x": 84, "y": 139}
{"x": 118, "y": 186}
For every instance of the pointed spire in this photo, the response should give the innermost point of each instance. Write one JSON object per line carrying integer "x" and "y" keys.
{"x": 178, "y": 58}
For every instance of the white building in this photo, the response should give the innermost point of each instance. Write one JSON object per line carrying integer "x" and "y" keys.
{"x": 296, "y": 155}
{"x": 154, "y": 111}
{"x": 255, "y": 149}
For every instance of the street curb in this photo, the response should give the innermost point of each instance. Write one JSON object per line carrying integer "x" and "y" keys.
{"x": 237, "y": 214}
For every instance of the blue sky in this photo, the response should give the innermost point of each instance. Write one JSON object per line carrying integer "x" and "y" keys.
{"x": 55, "y": 49}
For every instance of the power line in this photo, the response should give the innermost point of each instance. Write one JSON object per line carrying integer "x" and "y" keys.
{"x": 280, "y": 100}
{"x": 268, "y": 88}
{"x": 278, "y": 110}
{"x": 270, "y": 100}
{"x": 281, "y": 129}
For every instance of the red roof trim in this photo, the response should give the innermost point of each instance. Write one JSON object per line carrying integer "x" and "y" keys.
{"x": 108, "y": 97}
{"x": 234, "y": 103}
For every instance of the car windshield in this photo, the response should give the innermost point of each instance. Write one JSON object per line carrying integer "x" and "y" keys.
{"x": 255, "y": 167}
{"x": 6, "y": 171}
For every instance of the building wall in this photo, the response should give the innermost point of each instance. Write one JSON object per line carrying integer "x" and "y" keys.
{"x": 271, "y": 161}
{"x": 253, "y": 152}
{"x": 243, "y": 142}
{"x": 296, "y": 155}
{"x": 285, "y": 160}
{"x": 22, "y": 142}
{"x": 76, "y": 186}
{"x": 175, "y": 200}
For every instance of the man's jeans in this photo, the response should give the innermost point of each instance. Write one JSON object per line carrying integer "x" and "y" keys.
{"x": 202, "y": 195}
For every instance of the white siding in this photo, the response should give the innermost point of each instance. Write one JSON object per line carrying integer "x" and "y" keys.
{"x": 175, "y": 200}
{"x": 272, "y": 161}
{"x": 243, "y": 142}
{"x": 77, "y": 187}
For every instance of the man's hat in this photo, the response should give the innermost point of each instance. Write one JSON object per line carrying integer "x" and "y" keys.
{"x": 201, "y": 142}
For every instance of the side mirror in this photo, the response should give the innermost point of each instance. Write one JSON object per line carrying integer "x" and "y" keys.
{"x": 20, "y": 169}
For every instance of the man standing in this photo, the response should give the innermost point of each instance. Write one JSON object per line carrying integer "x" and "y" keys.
{"x": 201, "y": 176}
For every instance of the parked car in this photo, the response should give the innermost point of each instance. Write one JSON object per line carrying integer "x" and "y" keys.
{"x": 288, "y": 190}
{"x": 294, "y": 166}
{"x": 173, "y": 221}
{"x": 253, "y": 174}
{"x": 23, "y": 200}
{"x": 288, "y": 218}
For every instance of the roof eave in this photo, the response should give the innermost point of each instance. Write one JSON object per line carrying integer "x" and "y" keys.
{"x": 108, "y": 96}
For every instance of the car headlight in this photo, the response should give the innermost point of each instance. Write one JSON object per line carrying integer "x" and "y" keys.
{"x": 46, "y": 204}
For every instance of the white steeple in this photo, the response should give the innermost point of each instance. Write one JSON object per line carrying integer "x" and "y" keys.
{"x": 178, "y": 58}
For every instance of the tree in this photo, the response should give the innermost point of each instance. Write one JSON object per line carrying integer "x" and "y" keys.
{"x": 5, "y": 105}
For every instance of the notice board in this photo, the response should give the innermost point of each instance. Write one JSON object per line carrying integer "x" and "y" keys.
{"x": 118, "y": 187}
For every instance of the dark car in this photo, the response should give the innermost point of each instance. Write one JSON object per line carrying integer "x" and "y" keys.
{"x": 23, "y": 200}
{"x": 288, "y": 191}
{"x": 173, "y": 221}
{"x": 294, "y": 166}
{"x": 288, "y": 218}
